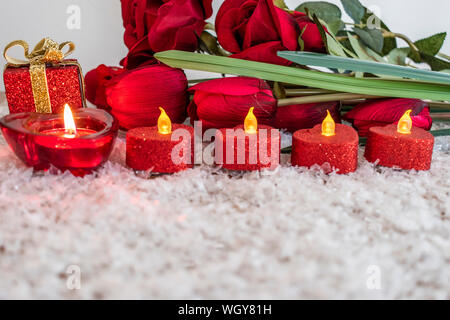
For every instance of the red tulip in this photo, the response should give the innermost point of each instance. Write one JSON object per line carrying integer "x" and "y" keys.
{"x": 224, "y": 103}
{"x": 304, "y": 116}
{"x": 257, "y": 29}
{"x": 157, "y": 25}
{"x": 136, "y": 95}
{"x": 96, "y": 81}
{"x": 381, "y": 112}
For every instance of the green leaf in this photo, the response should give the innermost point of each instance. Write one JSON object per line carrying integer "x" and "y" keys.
{"x": 333, "y": 46}
{"x": 297, "y": 76}
{"x": 335, "y": 26}
{"x": 279, "y": 91}
{"x": 300, "y": 39}
{"x": 354, "y": 9}
{"x": 431, "y": 45}
{"x": 209, "y": 44}
{"x": 436, "y": 64}
{"x": 325, "y": 11}
{"x": 398, "y": 56}
{"x": 280, "y": 4}
{"x": 373, "y": 38}
{"x": 428, "y": 48}
{"x": 375, "y": 55}
{"x": 389, "y": 43}
{"x": 358, "y": 48}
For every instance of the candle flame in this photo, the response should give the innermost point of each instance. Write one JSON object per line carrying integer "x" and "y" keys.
{"x": 69, "y": 123}
{"x": 328, "y": 126}
{"x": 250, "y": 122}
{"x": 164, "y": 123}
{"x": 405, "y": 123}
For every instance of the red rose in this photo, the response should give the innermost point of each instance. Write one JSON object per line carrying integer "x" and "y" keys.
{"x": 157, "y": 25}
{"x": 257, "y": 29}
{"x": 381, "y": 112}
{"x": 304, "y": 116}
{"x": 224, "y": 103}
{"x": 310, "y": 33}
{"x": 136, "y": 95}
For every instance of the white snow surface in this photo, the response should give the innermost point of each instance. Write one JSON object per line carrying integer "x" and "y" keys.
{"x": 293, "y": 234}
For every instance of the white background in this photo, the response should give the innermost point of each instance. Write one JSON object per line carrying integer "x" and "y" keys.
{"x": 99, "y": 39}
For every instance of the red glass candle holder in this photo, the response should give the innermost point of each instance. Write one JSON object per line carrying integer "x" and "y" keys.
{"x": 39, "y": 140}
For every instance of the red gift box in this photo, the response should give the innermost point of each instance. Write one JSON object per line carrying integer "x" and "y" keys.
{"x": 45, "y": 82}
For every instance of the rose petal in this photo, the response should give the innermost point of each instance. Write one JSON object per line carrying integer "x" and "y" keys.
{"x": 265, "y": 52}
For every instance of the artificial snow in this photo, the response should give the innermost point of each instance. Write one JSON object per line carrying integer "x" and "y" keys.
{"x": 290, "y": 234}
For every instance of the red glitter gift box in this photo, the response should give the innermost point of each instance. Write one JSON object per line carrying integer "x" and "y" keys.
{"x": 45, "y": 82}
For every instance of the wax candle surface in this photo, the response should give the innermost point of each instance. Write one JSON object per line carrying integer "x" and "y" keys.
{"x": 310, "y": 147}
{"x": 390, "y": 148}
{"x": 81, "y": 132}
{"x": 259, "y": 150}
{"x": 147, "y": 149}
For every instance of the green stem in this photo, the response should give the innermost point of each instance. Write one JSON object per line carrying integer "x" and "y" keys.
{"x": 323, "y": 98}
{"x": 305, "y": 92}
{"x": 388, "y": 34}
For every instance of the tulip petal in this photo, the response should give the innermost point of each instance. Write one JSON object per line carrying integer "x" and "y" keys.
{"x": 381, "y": 112}
{"x": 96, "y": 82}
{"x": 304, "y": 116}
{"x": 136, "y": 95}
{"x": 233, "y": 86}
{"x": 224, "y": 103}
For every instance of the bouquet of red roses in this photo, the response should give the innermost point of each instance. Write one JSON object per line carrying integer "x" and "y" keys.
{"x": 274, "y": 51}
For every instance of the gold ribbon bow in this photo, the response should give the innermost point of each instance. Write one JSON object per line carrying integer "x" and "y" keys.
{"x": 46, "y": 51}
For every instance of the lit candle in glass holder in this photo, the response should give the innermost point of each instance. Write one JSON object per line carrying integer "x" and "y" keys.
{"x": 79, "y": 143}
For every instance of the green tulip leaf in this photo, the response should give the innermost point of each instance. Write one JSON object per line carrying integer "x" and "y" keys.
{"x": 334, "y": 82}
